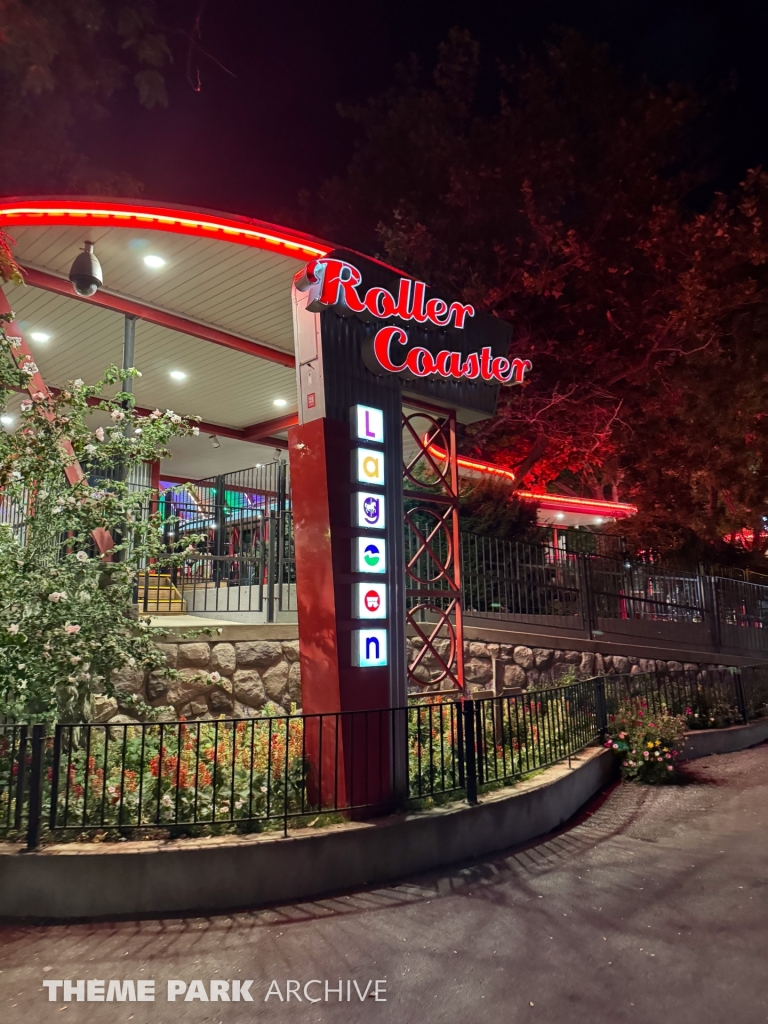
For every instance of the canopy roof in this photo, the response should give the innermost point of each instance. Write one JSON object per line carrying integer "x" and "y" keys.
{"x": 218, "y": 310}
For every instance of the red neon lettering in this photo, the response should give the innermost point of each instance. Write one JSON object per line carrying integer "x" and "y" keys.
{"x": 460, "y": 311}
{"x": 443, "y": 362}
{"x": 518, "y": 370}
{"x": 437, "y": 308}
{"x": 339, "y": 287}
{"x": 379, "y": 302}
{"x": 500, "y": 369}
{"x": 485, "y": 363}
{"x": 416, "y": 312}
{"x": 420, "y": 362}
{"x": 339, "y": 282}
{"x": 471, "y": 368}
{"x": 381, "y": 343}
{"x": 403, "y": 298}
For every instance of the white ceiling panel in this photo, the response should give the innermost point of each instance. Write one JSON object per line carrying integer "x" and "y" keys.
{"x": 234, "y": 287}
{"x": 221, "y": 385}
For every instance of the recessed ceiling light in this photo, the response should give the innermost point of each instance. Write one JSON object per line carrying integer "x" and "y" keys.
{"x": 40, "y": 336}
{"x": 6, "y": 420}
{"x": 280, "y": 402}
{"x": 178, "y": 375}
{"x": 598, "y": 520}
{"x": 559, "y": 516}
{"x": 155, "y": 262}
{"x": 258, "y": 465}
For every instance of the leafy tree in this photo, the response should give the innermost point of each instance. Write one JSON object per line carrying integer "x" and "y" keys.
{"x": 66, "y": 627}
{"x": 489, "y": 507}
{"x": 60, "y": 63}
{"x": 575, "y": 211}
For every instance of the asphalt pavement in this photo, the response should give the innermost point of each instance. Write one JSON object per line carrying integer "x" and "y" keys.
{"x": 650, "y": 907}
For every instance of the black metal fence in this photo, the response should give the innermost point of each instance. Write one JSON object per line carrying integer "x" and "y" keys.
{"x": 260, "y": 773}
{"x": 593, "y": 595}
{"x": 241, "y": 560}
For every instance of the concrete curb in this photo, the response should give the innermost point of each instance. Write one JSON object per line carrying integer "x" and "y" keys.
{"x": 725, "y": 741}
{"x": 83, "y": 880}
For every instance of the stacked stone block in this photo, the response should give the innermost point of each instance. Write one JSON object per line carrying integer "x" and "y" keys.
{"x": 210, "y": 678}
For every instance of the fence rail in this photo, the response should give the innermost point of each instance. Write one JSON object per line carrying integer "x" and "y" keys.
{"x": 261, "y": 773}
{"x": 550, "y": 587}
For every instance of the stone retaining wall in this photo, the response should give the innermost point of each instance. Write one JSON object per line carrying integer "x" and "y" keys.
{"x": 211, "y": 678}
{"x": 238, "y": 678}
{"x": 512, "y": 665}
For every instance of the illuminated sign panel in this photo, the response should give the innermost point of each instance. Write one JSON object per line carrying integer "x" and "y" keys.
{"x": 368, "y": 467}
{"x": 368, "y": 424}
{"x": 369, "y": 648}
{"x": 369, "y": 555}
{"x": 368, "y": 510}
{"x": 337, "y": 284}
{"x": 369, "y": 600}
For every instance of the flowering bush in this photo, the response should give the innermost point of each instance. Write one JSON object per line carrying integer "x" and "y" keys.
{"x": 69, "y": 552}
{"x": 648, "y": 742}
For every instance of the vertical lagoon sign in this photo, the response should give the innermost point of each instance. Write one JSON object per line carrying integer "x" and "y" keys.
{"x": 369, "y": 551}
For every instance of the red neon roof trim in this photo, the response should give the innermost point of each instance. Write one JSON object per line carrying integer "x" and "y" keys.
{"x": 558, "y": 502}
{"x": 106, "y": 213}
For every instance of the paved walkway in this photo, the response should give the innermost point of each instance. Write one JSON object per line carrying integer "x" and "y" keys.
{"x": 652, "y": 908}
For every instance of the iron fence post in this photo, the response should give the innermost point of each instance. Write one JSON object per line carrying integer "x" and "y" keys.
{"x": 601, "y": 710}
{"x": 470, "y": 762}
{"x": 587, "y": 598}
{"x": 711, "y": 604}
{"x": 35, "y": 801}
{"x": 54, "y": 795}
{"x": 741, "y": 696}
{"x": 21, "y": 774}
{"x": 271, "y": 551}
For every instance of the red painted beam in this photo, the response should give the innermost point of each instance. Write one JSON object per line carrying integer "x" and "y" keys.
{"x": 106, "y": 300}
{"x": 258, "y": 430}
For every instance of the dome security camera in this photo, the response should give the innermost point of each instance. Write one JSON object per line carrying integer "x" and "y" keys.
{"x": 86, "y": 275}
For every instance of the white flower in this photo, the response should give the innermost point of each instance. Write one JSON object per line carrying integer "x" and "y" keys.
{"x": 78, "y": 383}
{"x": 195, "y": 431}
{"x": 91, "y": 448}
{"x": 138, "y": 430}
{"x": 215, "y": 677}
{"x": 117, "y": 415}
{"x": 166, "y": 801}
{"x": 75, "y": 659}
{"x": 16, "y": 474}
{"x": 13, "y": 629}
{"x": 174, "y": 418}
{"x": 57, "y": 595}
{"x": 26, "y": 405}
{"x": 29, "y": 368}
{"x": 99, "y": 434}
{"x": 82, "y": 556}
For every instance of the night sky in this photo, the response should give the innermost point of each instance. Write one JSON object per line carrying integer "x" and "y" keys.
{"x": 251, "y": 142}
